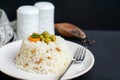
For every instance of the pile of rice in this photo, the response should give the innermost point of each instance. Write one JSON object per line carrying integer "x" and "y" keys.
{"x": 39, "y": 57}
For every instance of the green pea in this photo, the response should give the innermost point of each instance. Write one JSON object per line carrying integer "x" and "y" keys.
{"x": 41, "y": 36}
{"x": 47, "y": 35}
{"x": 45, "y": 32}
{"x": 42, "y": 39}
{"x": 53, "y": 37}
{"x": 47, "y": 40}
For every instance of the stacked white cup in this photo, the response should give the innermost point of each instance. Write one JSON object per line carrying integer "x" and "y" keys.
{"x": 46, "y": 16}
{"x": 37, "y": 18}
{"x": 27, "y": 21}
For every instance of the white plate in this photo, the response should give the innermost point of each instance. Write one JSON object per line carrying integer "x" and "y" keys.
{"x": 7, "y": 66}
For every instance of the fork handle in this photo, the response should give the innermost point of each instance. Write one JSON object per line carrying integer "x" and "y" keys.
{"x": 66, "y": 70}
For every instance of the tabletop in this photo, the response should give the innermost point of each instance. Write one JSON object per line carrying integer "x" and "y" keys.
{"x": 106, "y": 51}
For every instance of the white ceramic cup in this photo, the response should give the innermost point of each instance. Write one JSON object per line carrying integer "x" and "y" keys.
{"x": 27, "y": 21}
{"x": 46, "y": 16}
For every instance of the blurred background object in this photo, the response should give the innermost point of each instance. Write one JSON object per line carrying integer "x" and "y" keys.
{"x": 88, "y": 14}
{"x": 6, "y": 32}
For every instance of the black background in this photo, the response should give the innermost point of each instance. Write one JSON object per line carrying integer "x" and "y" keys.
{"x": 101, "y": 18}
{"x": 87, "y": 14}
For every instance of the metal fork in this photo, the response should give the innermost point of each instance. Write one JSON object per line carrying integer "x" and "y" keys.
{"x": 79, "y": 56}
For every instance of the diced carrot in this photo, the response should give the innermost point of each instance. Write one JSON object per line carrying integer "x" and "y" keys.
{"x": 33, "y": 39}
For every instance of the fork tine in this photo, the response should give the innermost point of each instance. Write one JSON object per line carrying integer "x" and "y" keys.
{"x": 76, "y": 53}
{"x": 82, "y": 56}
{"x": 79, "y": 53}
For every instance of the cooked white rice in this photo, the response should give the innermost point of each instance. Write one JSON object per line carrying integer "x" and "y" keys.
{"x": 40, "y": 57}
